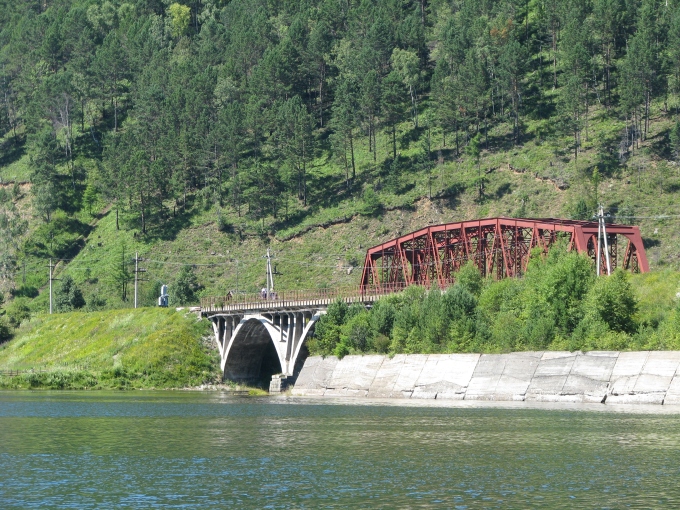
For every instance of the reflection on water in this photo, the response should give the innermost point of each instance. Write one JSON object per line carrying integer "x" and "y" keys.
{"x": 194, "y": 450}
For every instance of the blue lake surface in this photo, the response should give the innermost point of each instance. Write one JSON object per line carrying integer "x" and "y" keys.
{"x": 212, "y": 450}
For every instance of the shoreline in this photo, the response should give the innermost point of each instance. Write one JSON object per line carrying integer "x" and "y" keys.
{"x": 669, "y": 409}
{"x": 287, "y": 399}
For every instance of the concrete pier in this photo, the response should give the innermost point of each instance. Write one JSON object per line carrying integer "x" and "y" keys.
{"x": 608, "y": 377}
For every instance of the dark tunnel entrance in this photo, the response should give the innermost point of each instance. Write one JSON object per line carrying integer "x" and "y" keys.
{"x": 252, "y": 358}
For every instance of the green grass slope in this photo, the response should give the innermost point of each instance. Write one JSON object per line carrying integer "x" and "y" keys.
{"x": 117, "y": 348}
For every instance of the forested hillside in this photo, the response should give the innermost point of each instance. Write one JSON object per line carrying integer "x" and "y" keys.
{"x": 199, "y": 133}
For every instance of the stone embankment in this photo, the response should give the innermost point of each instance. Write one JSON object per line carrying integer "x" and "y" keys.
{"x": 601, "y": 377}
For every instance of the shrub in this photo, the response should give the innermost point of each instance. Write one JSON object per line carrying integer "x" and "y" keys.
{"x": 186, "y": 286}
{"x": 556, "y": 286}
{"x": 382, "y": 317}
{"x": 68, "y": 296}
{"x": 336, "y": 313}
{"x": 96, "y": 302}
{"x": 470, "y": 278}
{"x": 222, "y": 224}
{"x": 459, "y": 303}
{"x": 371, "y": 203}
{"x": 381, "y": 343}
{"x": 357, "y": 333}
{"x": 25, "y": 291}
{"x": 327, "y": 329}
{"x": 18, "y": 311}
{"x": 612, "y": 302}
{"x": 5, "y": 330}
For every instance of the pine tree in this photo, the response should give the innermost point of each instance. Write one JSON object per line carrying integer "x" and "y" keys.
{"x": 392, "y": 106}
{"x": 641, "y": 69}
{"x": 345, "y": 117}
{"x": 184, "y": 290}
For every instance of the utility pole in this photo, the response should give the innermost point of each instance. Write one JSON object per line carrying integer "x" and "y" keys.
{"x": 137, "y": 271}
{"x": 270, "y": 275}
{"x": 51, "y": 267}
{"x": 52, "y": 279}
{"x": 602, "y": 235}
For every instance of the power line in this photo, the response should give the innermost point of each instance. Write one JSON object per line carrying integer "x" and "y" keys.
{"x": 659, "y": 217}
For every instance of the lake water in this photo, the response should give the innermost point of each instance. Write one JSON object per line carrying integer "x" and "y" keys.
{"x": 210, "y": 450}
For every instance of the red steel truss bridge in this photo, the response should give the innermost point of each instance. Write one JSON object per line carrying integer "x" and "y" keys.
{"x": 499, "y": 247}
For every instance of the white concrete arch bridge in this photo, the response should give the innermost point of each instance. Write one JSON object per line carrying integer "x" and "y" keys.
{"x": 259, "y": 336}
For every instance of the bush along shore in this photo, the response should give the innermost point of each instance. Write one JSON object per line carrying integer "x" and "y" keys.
{"x": 116, "y": 349}
{"x": 559, "y": 304}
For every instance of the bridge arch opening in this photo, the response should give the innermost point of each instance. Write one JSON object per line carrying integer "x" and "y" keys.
{"x": 252, "y": 356}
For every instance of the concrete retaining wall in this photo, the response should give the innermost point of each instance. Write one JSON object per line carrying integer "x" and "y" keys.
{"x": 601, "y": 376}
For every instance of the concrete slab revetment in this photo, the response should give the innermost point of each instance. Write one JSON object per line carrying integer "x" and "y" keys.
{"x": 673, "y": 394}
{"x": 518, "y": 372}
{"x": 652, "y": 382}
{"x": 606, "y": 377}
{"x": 386, "y": 378}
{"x": 305, "y": 380}
{"x": 550, "y": 376}
{"x": 589, "y": 378}
{"x": 485, "y": 377}
{"x": 353, "y": 375}
{"x": 446, "y": 376}
{"x": 410, "y": 372}
{"x": 315, "y": 376}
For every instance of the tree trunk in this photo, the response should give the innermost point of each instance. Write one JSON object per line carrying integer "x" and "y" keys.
{"x": 554, "y": 50}
{"x": 457, "y": 140}
{"x": 586, "y": 113}
{"x": 142, "y": 204}
{"x": 344, "y": 158}
{"x": 321, "y": 78}
{"x": 375, "y": 143}
{"x": 394, "y": 141}
{"x": 646, "y": 113}
{"x": 304, "y": 175}
{"x": 575, "y": 145}
{"x": 370, "y": 137}
{"x": 351, "y": 151}
{"x": 608, "y": 65}
{"x": 413, "y": 105}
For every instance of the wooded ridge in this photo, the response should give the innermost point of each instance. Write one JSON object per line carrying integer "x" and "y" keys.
{"x": 273, "y": 117}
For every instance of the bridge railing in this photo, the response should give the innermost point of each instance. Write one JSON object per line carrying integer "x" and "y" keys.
{"x": 362, "y": 293}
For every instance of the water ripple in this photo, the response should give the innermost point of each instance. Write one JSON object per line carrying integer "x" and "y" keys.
{"x": 188, "y": 450}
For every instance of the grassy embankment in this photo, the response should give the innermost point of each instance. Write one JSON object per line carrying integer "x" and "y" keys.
{"x": 124, "y": 349}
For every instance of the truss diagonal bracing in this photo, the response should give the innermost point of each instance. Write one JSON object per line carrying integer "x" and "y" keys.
{"x": 499, "y": 247}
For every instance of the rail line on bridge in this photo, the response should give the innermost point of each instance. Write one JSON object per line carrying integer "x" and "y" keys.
{"x": 296, "y": 299}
